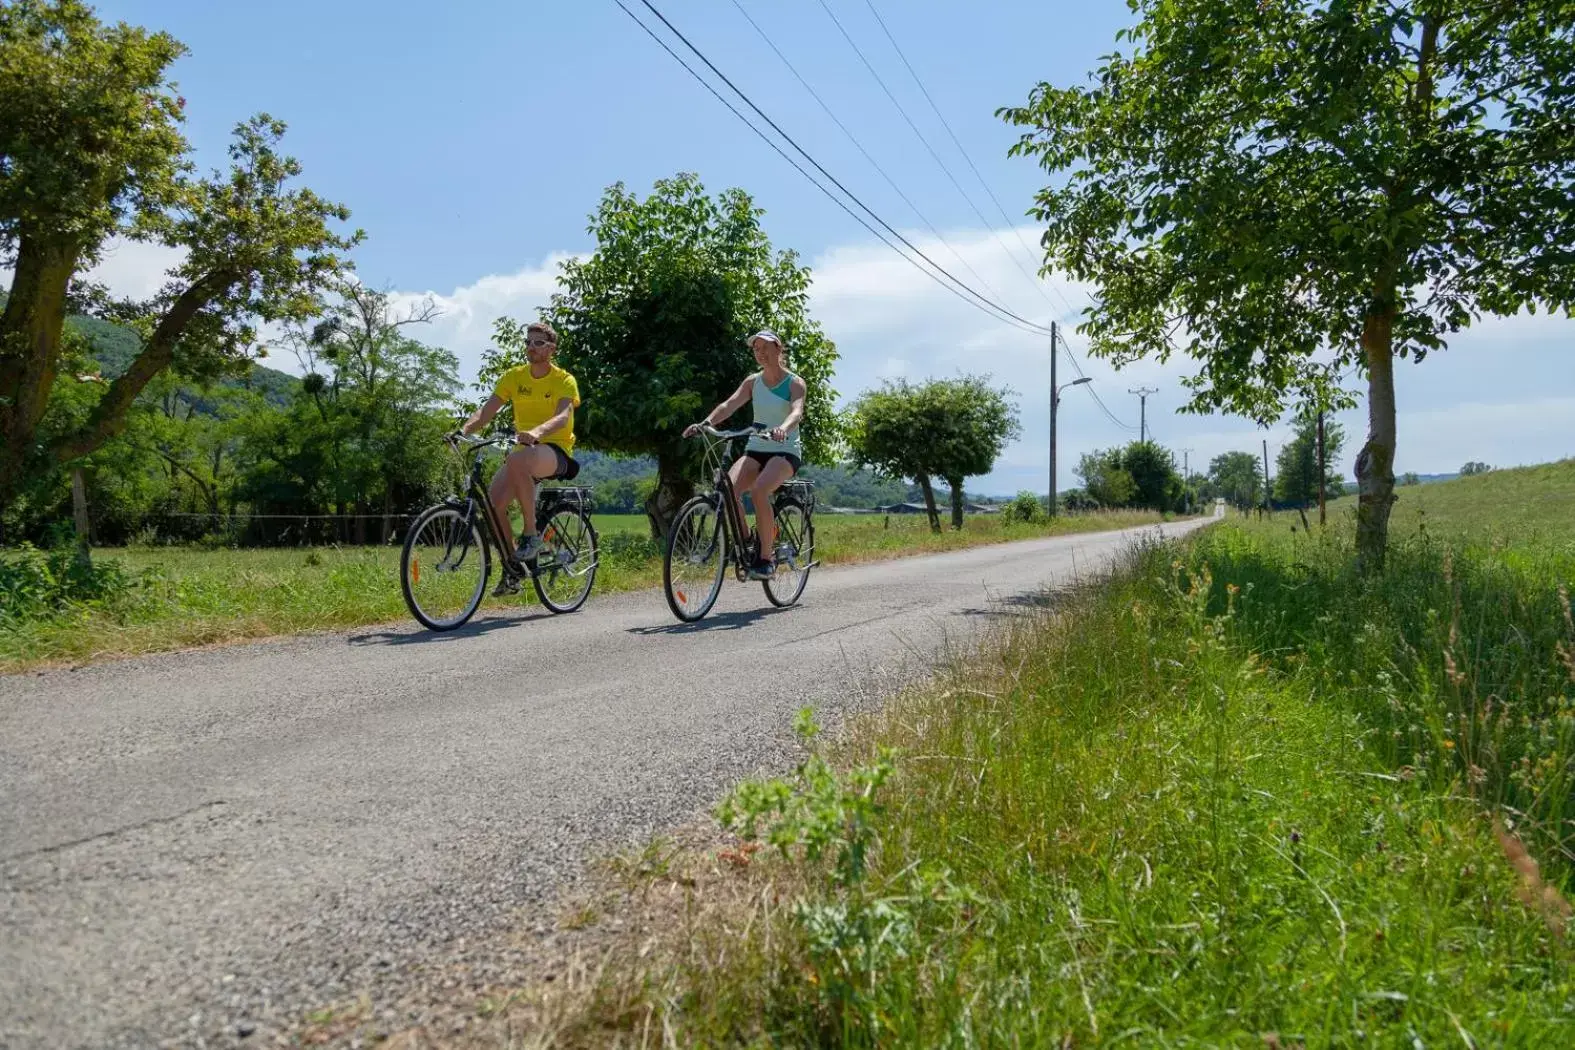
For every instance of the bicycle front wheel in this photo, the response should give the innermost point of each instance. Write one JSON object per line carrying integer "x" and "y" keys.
{"x": 566, "y": 563}
{"x": 444, "y": 567}
{"x": 692, "y": 569}
{"x": 795, "y": 550}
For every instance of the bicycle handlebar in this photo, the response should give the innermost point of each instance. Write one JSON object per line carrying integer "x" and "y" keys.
{"x": 472, "y": 442}
{"x": 727, "y": 435}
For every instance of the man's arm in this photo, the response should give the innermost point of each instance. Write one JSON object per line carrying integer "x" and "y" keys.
{"x": 564, "y": 415}
{"x": 483, "y": 415}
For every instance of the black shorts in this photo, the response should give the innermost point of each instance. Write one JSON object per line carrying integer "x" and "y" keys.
{"x": 568, "y": 466}
{"x": 762, "y": 458}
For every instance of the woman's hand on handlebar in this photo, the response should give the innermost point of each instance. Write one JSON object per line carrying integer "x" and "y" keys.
{"x": 693, "y": 428}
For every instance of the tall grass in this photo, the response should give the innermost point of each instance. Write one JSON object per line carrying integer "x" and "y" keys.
{"x": 1237, "y": 797}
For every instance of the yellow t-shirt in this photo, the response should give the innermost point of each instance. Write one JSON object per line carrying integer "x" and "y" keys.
{"x": 536, "y": 400}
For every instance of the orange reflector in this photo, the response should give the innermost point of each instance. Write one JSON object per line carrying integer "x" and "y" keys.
{"x": 550, "y": 535}
{"x": 682, "y": 598}
{"x": 415, "y": 570}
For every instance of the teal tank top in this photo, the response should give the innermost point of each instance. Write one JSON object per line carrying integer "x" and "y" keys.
{"x": 771, "y": 406}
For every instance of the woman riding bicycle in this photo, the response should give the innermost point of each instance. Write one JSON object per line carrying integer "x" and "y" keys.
{"x": 770, "y": 459}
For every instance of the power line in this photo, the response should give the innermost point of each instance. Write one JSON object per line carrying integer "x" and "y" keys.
{"x": 1039, "y": 285}
{"x": 972, "y": 166}
{"x": 987, "y": 304}
{"x": 860, "y": 146}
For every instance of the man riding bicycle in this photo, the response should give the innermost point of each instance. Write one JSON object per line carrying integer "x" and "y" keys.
{"x": 774, "y": 457}
{"x": 544, "y": 398}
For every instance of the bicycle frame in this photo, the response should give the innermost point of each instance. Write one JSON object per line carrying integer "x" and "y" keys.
{"x": 734, "y": 525}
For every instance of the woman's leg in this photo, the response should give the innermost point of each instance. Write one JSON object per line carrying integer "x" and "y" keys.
{"x": 773, "y": 476}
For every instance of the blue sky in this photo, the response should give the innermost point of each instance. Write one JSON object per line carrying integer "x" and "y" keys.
{"x": 471, "y": 141}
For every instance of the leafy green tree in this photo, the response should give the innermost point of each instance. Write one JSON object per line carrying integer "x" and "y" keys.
{"x": 1473, "y": 468}
{"x": 1410, "y": 477}
{"x": 1296, "y": 465}
{"x": 1156, "y": 480}
{"x": 380, "y": 403}
{"x": 1105, "y": 480}
{"x": 948, "y": 428}
{"x": 90, "y": 149}
{"x": 1237, "y": 478}
{"x": 653, "y": 323}
{"x": 1142, "y": 474}
{"x": 1265, "y": 179}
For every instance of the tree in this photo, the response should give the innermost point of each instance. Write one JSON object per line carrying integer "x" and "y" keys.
{"x": 90, "y": 149}
{"x": 1473, "y": 468}
{"x": 653, "y": 325}
{"x": 1263, "y": 180}
{"x": 1140, "y": 475}
{"x": 1296, "y": 466}
{"x": 1410, "y": 478}
{"x": 948, "y": 428}
{"x": 1105, "y": 480}
{"x": 1156, "y": 480}
{"x": 1238, "y": 478}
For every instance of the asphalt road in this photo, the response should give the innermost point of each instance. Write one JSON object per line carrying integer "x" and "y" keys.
{"x": 201, "y": 845}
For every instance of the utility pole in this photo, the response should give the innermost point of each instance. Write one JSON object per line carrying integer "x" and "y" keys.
{"x": 1186, "y": 475}
{"x": 1142, "y": 392}
{"x": 1266, "y": 504}
{"x": 1055, "y": 403}
{"x": 1322, "y": 471}
{"x": 1055, "y": 395}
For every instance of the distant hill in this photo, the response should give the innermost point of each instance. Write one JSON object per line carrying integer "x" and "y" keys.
{"x": 115, "y": 347}
{"x": 1515, "y": 502}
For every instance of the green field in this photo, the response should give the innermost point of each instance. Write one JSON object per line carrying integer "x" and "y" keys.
{"x": 176, "y": 597}
{"x": 1239, "y": 796}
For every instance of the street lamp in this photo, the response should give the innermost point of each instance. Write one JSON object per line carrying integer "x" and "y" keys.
{"x": 1055, "y": 401}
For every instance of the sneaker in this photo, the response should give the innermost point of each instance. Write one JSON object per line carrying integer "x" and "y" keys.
{"x": 762, "y": 570}
{"x": 529, "y": 547}
{"x": 506, "y": 586}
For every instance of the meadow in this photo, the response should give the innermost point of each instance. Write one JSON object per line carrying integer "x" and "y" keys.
{"x": 150, "y": 599}
{"x": 1239, "y": 795}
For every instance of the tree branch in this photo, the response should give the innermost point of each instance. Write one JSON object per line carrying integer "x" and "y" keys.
{"x": 109, "y": 415}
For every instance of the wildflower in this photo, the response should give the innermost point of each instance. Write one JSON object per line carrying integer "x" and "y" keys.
{"x": 1449, "y": 745}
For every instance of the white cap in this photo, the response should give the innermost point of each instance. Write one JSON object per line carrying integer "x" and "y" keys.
{"x": 765, "y": 333}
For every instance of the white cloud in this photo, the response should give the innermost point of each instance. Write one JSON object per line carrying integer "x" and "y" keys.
{"x": 466, "y": 314}
{"x": 136, "y": 269}
{"x": 1501, "y": 393}
{"x": 1485, "y": 398}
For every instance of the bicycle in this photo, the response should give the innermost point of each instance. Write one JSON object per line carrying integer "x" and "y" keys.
{"x": 447, "y": 557}
{"x": 709, "y": 528}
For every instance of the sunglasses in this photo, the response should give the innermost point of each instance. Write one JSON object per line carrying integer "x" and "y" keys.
{"x": 540, "y": 342}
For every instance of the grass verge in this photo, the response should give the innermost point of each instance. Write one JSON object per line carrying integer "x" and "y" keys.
{"x": 158, "y": 599}
{"x": 1238, "y": 796}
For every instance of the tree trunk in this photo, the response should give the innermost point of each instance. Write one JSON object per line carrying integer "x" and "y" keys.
{"x": 1375, "y": 474}
{"x": 673, "y": 488}
{"x": 79, "y": 510}
{"x": 957, "y": 502}
{"x": 30, "y": 331}
{"x": 929, "y": 502}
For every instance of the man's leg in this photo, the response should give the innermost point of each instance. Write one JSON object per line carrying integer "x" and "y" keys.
{"x": 502, "y": 492}
{"x": 776, "y": 472}
{"x": 743, "y": 472}
{"x": 532, "y": 462}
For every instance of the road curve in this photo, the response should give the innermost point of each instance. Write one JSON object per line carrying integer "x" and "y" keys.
{"x": 197, "y": 844}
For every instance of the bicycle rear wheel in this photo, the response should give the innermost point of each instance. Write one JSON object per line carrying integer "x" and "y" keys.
{"x": 566, "y": 563}
{"x": 443, "y": 568}
{"x": 692, "y": 568}
{"x": 794, "y": 551}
